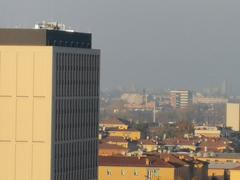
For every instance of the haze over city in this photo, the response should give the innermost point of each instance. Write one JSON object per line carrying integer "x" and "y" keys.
{"x": 157, "y": 44}
{"x": 113, "y": 90}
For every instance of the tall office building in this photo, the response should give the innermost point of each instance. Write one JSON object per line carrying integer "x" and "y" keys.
{"x": 49, "y": 105}
{"x": 233, "y": 116}
{"x": 181, "y": 99}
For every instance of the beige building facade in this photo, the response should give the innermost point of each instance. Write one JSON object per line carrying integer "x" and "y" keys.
{"x": 233, "y": 116}
{"x": 48, "y": 112}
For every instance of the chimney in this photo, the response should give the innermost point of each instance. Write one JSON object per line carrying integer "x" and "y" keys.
{"x": 167, "y": 159}
{"x": 205, "y": 148}
{"x": 147, "y": 162}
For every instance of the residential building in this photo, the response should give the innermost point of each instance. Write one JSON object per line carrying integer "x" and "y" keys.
{"x": 129, "y": 134}
{"x": 233, "y": 116}
{"x": 154, "y": 167}
{"x": 116, "y": 140}
{"x": 181, "y": 144}
{"x": 207, "y": 131}
{"x": 181, "y": 99}
{"x": 106, "y": 149}
{"x": 216, "y": 145}
{"x": 235, "y": 173}
{"x": 49, "y": 105}
{"x": 148, "y": 145}
{"x": 221, "y": 171}
{"x": 220, "y": 158}
{"x": 137, "y": 168}
{"x": 209, "y": 100}
{"x": 113, "y": 123}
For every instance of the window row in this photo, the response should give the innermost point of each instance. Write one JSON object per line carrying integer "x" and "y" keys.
{"x": 77, "y": 75}
{"x": 135, "y": 172}
{"x": 76, "y": 119}
{"x": 75, "y": 160}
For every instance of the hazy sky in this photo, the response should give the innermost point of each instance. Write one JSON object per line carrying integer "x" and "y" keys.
{"x": 149, "y": 43}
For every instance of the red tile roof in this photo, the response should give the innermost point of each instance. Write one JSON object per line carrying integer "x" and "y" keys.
{"x": 115, "y": 121}
{"x": 236, "y": 168}
{"x": 146, "y": 142}
{"x": 114, "y": 139}
{"x": 134, "y": 162}
{"x": 111, "y": 146}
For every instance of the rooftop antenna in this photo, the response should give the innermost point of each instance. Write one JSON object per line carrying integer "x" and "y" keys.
{"x": 154, "y": 110}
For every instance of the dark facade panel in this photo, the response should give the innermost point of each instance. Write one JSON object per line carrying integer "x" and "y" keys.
{"x": 43, "y": 37}
{"x": 69, "y": 39}
{"x": 76, "y": 85}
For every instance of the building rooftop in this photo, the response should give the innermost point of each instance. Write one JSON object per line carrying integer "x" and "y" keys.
{"x": 134, "y": 162}
{"x": 45, "y": 37}
{"x": 122, "y": 130}
{"x": 110, "y": 146}
{"x": 114, "y": 139}
{"x": 225, "y": 155}
{"x": 115, "y": 121}
{"x": 146, "y": 142}
{"x": 225, "y": 165}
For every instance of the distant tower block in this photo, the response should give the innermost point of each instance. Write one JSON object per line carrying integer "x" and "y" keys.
{"x": 233, "y": 116}
{"x": 181, "y": 99}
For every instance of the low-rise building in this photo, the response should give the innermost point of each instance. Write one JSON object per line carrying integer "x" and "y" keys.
{"x": 111, "y": 149}
{"x": 129, "y": 134}
{"x": 152, "y": 166}
{"x": 215, "y": 145}
{"x": 182, "y": 143}
{"x": 235, "y": 173}
{"x": 148, "y": 145}
{"x": 207, "y": 131}
{"x": 116, "y": 140}
{"x": 221, "y": 171}
{"x": 220, "y": 157}
{"x": 113, "y": 123}
{"x": 209, "y": 100}
{"x": 139, "y": 168}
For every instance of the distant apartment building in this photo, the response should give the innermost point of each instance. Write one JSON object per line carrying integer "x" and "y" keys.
{"x": 129, "y": 134}
{"x": 49, "y": 105}
{"x": 233, "y": 116}
{"x": 209, "y": 100}
{"x": 148, "y": 145}
{"x": 133, "y": 98}
{"x": 181, "y": 99}
{"x": 207, "y": 131}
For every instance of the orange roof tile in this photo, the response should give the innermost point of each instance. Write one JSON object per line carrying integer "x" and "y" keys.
{"x": 115, "y": 121}
{"x": 110, "y": 146}
{"x": 133, "y": 162}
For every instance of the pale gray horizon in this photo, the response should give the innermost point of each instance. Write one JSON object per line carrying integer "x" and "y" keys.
{"x": 151, "y": 44}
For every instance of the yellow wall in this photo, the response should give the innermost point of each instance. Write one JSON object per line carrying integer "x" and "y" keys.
{"x": 123, "y": 144}
{"x": 25, "y": 112}
{"x": 218, "y": 173}
{"x": 234, "y": 174}
{"x": 119, "y": 126}
{"x": 116, "y": 173}
{"x": 215, "y": 159}
{"x": 131, "y": 135}
{"x": 233, "y": 116}
{"x": 149, "y": 147}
